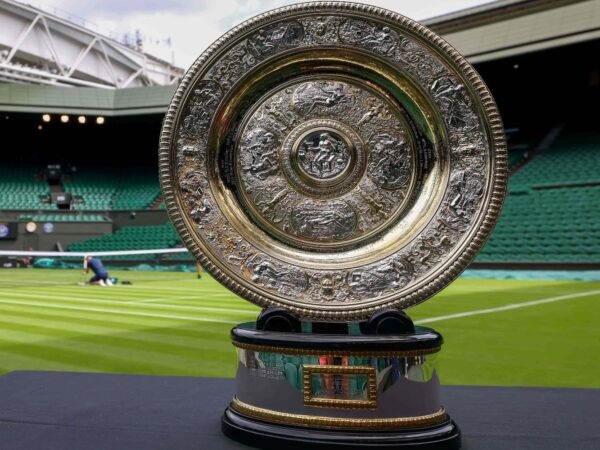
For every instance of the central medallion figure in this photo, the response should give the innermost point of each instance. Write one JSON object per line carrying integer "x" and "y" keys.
{"x": 323, "y": 155}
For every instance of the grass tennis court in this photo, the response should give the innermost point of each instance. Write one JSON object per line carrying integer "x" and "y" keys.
{"x": 497, "y": 332}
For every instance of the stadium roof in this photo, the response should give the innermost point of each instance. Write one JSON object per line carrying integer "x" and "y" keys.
{"x": 107, "y": 102}
{"x": 37, "y": 47}
{"x": 492, "y": 31}
{"x": 510, "y": 27}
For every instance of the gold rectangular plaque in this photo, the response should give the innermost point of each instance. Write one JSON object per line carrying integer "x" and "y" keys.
{"x": 344, "y": 387}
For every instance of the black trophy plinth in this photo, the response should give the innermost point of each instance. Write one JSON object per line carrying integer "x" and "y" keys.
{"x": 267, "y": 435}
{"x": 350, "y": 385}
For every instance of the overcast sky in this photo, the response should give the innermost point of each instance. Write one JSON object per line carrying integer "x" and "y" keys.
{"x": 194, "y": 24}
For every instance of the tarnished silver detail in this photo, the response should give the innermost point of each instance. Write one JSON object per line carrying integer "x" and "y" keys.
{"x": 390, "y": 161}
{"x": 263, "y": 271}
{"x": 323, "y": 220}
{"x": 378, "y": 37}
{"x": 259, "y": 158}
{"x": 321, "y": 96}
{"x": 413, "y": 144}
{"x": 466, "y": 189}
{"x": 305, "y": 142}
{"x": 395, "y": 273}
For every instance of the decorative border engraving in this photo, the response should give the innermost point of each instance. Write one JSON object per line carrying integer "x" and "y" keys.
{"x": 323, "y": 422}
{"x": 274, "y": 184}
{"x": 472, "y": 146}
{"x": 335, "y": 353}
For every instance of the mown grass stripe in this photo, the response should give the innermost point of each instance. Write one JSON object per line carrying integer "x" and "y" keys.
{"x": 34, "y": 356}
{"x": 72, "y": 329}
{"x": 97, "y": 292}
{"x": 122, "y": 300}
{"x": 82, "y": 358}
{"x": 125, "y": 320}
{"x": 448, "y": 302}
{"x": 22, "y": 362}
{"x": 218, "y": 289}
{"x": 118, "y": 312}
{"x": 119, "y": 291}
{"x": 126, "y": 304}
{"x": 169, "y": 299}
{"x": 483, "y": 349}
{"x": 144, "y": 290}
{"x": 508, "y": 307}
{"x": 114, "y": 346}
{"x": 170, "y": 329}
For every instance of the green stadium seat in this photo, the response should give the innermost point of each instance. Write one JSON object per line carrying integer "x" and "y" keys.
{"x": 131, "y": 238}
{"x": 550, "y": 215}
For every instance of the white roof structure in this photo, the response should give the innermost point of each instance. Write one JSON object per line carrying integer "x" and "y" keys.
{"x": 37, "y": 47}
{"x": 506, "y": 28}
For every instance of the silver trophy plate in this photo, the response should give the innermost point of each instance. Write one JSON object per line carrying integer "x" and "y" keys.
{"x": 333, "y": 159}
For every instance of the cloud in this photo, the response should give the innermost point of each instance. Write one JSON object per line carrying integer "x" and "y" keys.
{"x": 119, "y": 8}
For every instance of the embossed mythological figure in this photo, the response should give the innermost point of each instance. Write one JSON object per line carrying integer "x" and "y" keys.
{"x": 261, "y": 157}
{"x": 312, "y": 97}
{"x": 390, "y": 163}
{"x": 325, "y": 159}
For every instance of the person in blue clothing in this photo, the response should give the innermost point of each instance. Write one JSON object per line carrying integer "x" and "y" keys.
{"x": 100, "y": 274}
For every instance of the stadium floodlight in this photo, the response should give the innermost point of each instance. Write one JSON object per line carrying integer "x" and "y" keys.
{"x": 46, "y": 117}
{"x": 100, "y": 120}
{"x": 64, "y": 118}
{"x": 81, "y": 119}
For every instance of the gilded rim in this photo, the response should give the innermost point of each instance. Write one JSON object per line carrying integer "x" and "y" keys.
{"x": 335, "y": 353}
{"x": 304, "y": 420}
{"x": 401, "y": 294}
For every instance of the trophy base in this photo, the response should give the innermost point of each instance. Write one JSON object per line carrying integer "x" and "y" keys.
{"x": 266, "y": 435}
{"x": 350, "y": 390}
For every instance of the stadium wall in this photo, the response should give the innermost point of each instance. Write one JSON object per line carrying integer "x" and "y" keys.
{"x": 140, "y": 217}
{"x": 92, "y": 101}
{"x": 48, "y": 237}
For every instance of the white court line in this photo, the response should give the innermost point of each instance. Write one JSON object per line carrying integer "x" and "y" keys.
{"x": 166, "y": 288}
{"x": 70, "y": 282}
{"x": 198, "y": 293}
{"x": 133, "y": 302}
{"x": 507, "y": 307}
{"x": 162, "y": 299}
{"x": 33, "y": 283}
{"x": 118, "y": 312}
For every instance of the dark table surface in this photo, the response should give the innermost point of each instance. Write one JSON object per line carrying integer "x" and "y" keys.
{"x": 72, "y": 411}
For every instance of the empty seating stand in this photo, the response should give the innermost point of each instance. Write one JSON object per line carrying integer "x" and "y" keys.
{"x": 573, "y": 159}
{"x": 21, "y": 189}
{"x": 93, "y": 189}
{"x": 131, "y": 238}
{"x": 110, "y": 189}
{"x": 64, "y": 217}
{"x": 552, "y": 211}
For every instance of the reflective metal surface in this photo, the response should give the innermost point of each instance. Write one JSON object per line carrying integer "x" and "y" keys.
{"x": 333, "y": 159}
{"x": 343, "y": 385}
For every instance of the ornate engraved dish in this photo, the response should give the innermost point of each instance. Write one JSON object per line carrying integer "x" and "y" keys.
{"x": 333, "y": 159}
